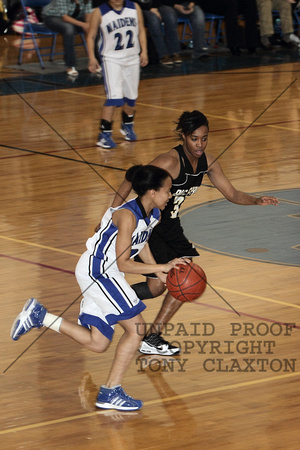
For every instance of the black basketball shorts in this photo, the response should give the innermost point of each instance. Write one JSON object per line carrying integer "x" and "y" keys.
{"x": 168, "y": 242}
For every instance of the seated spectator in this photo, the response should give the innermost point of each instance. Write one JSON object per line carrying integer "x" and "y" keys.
{"x": 68, "y": 17}
{"x": 165, "y": 40}
{"x": 237, "y": 37}
{"x": 197, "y": 18}
{"x": 265, "y": 8}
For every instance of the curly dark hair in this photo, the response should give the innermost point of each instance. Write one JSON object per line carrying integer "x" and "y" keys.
{"x": 188, "y": 122}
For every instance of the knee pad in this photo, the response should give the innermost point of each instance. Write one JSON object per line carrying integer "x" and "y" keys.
{"x": 142, "y": 290}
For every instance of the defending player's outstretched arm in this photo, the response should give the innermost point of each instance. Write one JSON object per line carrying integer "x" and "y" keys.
{"x": 221, "y": 182}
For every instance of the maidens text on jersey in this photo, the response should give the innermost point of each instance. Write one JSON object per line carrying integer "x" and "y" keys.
{"x": 121, "y": 23}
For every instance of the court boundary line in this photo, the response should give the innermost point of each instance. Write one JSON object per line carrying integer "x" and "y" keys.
{"x": 165, "y": 108}
{"x": 33, "y": 244}
{"x": 258, "y": 297}
{"x": 153, "y": 402}
{"x": 78, "y": 255}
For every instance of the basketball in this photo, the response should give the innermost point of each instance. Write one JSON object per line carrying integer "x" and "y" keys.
{"x": 186, "y": 282}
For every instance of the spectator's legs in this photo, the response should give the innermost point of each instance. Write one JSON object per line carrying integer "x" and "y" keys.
{"x": 285, "y": 14}
{"x": 265, "y": 17}
{"x": 153, "y": 24}
{"x": 169, "y": 18}
{"x": 197, "y": 19}
{"x": 68, "y": 31}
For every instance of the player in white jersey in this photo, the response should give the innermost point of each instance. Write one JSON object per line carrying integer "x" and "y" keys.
{"x": 122, "y": 49}
{"x": 107, "y": 297}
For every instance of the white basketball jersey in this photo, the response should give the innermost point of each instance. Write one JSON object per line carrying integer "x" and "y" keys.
{"x": 102, "y": 246}
{"x": 119, "y": 31}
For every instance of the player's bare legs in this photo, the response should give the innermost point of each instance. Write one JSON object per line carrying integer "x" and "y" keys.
{"x": 129, "y": 110}
{"x": 153, "y": 342}
{"x": 91, "y": 339}
{"x": 97, "y": 342}
{"x": 126, "y": 349}
{"x": 108, "y": 113}
{"x": 110, "y": 396}
{"x": 168, "y": 308}
{"x": 156, "y": 286}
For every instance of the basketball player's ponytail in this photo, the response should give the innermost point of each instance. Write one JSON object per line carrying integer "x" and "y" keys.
{"x": 144, "y": 178}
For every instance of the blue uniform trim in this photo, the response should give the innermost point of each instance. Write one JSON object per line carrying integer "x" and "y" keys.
{"x": 87, "y": 320}
{"x": 129, "y": 4}
{"x": 115, "y": 102}
{"x": 129, "y": 102}
{"x": 110, "y": 291}
{"x": 120, "y": 102}
{"x": 104, "y": 9}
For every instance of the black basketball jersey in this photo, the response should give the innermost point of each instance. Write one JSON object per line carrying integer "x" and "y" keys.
{"x": 185, "y": 184}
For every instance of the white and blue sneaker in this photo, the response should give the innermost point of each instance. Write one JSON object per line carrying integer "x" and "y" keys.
{"x": 105, "y": 140}
{"x": 116, "y": 398}
{"x": 31, "y": 316}
{"x": 128, "y": 131}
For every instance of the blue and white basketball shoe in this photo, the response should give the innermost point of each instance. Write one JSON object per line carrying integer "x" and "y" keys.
{"x": 105, "y": 140}
{"x": 128, "y": 131}
{"x": 31, "y": 316}
{"x": 117, "y": 399}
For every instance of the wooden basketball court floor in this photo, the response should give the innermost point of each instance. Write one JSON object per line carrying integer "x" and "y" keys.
{"x": 236, "y": 383}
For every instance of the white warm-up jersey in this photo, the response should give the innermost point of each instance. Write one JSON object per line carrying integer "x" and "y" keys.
{"x": 119, "y": 31}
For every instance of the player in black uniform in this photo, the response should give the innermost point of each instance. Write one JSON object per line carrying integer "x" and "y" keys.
{"x": 187, "y": 164}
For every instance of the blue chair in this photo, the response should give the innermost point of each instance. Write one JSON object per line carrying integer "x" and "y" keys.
{"x": 186, "y": 35}
{"x": 33, "y": 32}
{"x": 214, "y": 19}
{"x": 296, "y": 20}
{"x": 215, "y": 24}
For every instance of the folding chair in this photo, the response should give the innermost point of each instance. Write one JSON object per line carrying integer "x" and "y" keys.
{"x": 35, "y": 31}
{"x": 186, "y": 35}
{"x": 215, "y": 20}
{"x": 296, "y": 20}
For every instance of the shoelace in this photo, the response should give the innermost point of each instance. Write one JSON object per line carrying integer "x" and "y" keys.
{"x": 157, "y": 339}
{"x": 123, "y": 394}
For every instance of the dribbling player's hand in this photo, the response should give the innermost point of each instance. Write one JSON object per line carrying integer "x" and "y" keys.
{"x": 167, "y": 267}
{"x": 174, "y": 263}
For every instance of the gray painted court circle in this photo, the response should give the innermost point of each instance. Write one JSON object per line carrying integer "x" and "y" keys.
{"x": 261, "y": 233}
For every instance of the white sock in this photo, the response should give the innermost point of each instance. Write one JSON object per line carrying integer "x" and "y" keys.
{"x": 112, "y": 387}
{"x": 52, "y": 321}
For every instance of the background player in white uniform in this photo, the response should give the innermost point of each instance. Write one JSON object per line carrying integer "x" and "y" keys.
{"x": 122, "y": 48}
{"x": 107, "y": 297}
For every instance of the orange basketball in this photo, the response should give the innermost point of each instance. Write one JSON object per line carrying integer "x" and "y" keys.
{"x": 186, "y": 282}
